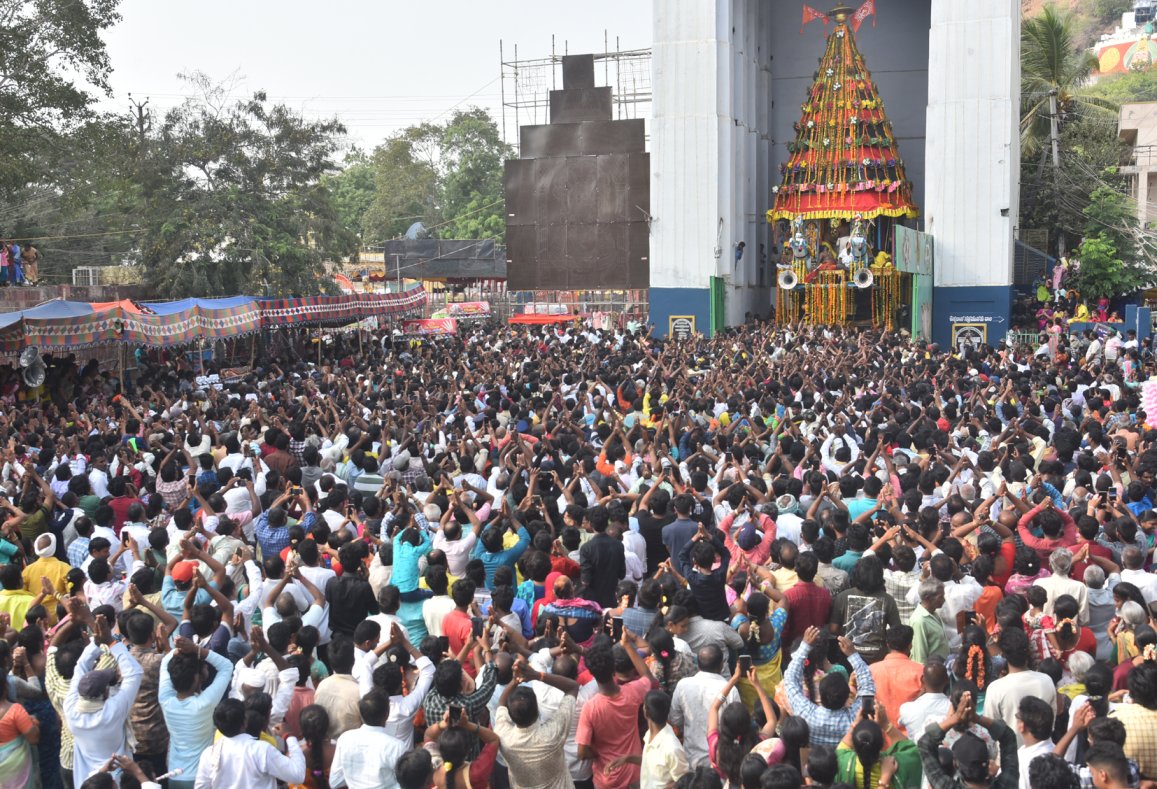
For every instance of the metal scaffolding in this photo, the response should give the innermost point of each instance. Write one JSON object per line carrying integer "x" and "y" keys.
{"x": 526, "y": 84}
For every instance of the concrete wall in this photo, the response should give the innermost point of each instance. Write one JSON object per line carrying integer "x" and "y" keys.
{"x": 1138, "y": 123}
{"x": 710, "y": 179}
{"x": 974, "y": 147}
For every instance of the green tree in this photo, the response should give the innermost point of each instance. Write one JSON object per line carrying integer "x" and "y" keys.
{"x": 447, "y": 176}
{"x": 352, "y": 189}
{"x": 243, "y": 208}
{"x": 47, "y": 47}
{"x": 406, "y": 184}
{"x": 1090, "y": 154}
{"x": 1102, "y": 272}
{"x": 472, "y": 192}
{"x": 1051, "y": 64}
{"x": 1114, "y": 215}
{"x": 85, "y": 207}
{"x": 1108, "y": 12}
{"x": 1120, "y": 89}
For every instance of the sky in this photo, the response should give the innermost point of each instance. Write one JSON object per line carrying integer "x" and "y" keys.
{"x": 379, "y": 65}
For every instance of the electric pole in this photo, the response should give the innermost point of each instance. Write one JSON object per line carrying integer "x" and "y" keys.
{"x": 1055, "y": 142}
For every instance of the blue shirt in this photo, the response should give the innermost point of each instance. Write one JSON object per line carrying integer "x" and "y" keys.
{"x": 493, "y": 561}
{"x": 847, "y": 560}
{"x": 192, "y": 716}
{"x": 858, "y": 506}
{"x": 273, "y": 541}
{"x": 173, "y": 599}
{"x": 78, "y": 551}
{"x": 406, "y": 555}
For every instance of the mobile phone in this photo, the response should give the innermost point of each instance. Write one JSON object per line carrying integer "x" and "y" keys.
{"x": 125, "y": 537}
{"x": 744, "y": 664}
{"x": 969, "y": 618}
{"x": 455, "y": 714}
{"x": 869, "y": 706}
{"x": 616, "y": 627}
{"x": 476, "y": 626}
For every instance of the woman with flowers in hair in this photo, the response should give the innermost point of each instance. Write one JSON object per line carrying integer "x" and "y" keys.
{"x": 762, "y": 629}
{"x": 668, "y": 663}
{"x": 452, "y": 741}
{"x": 973, "y": 663}
{"x": 1066, "y": 636}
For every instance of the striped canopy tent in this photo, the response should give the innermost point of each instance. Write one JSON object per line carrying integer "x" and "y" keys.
{"x": 76, "y": 324}
{"x": 339, "y": 310}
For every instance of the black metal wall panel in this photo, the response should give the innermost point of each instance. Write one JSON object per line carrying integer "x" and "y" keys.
{"x": 518, "y": 182}
{"x": 613, "y": 187}
{"x": 576, "y": 106}
{"x": 591, "y": 138}
{"x": 578, "y": 71}
{"x": 578, "y": 200}
{"x": 582, "y": 189}
{"x": 552, "y": 191}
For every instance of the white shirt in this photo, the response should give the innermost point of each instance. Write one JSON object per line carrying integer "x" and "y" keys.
{"x": 457, "y": 551}
{"x": 958, "y": 596}
{"x": 249, "y": 762}
{"x": 403, "y": 708}
{"x": 111, "y": 592}
{"x": 386, "y": 621}
{"x": 320, "y": 577}
{"x": 1146, "y": 582}
{"x": 261, "y": 589}
{"x": 434, "y": 610}
{"x": 364, "y": 759}
{"x": 664, "y": 760}
{"x": 312, "y": 617}
{"x": 549, "y": 700}
{"x": 1026, "y": 753}
{"x": 1002, "y": 698}
{"x": 788, "y": 525}
{"x": 364, "y": 665}
{"x": 693, "y": 697}
{"x": 928, "y": 706}
{"x": 98, "y": 480}
{"x": 1057, "y": 585}
{"x": 98, "y": 735}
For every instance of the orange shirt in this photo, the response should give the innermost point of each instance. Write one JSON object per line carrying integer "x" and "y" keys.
{"x": 985, "y": 605}
{"x": 16, "y": 721}
{"x": 897, "y": 679}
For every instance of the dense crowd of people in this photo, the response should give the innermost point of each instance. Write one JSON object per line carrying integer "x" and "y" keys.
{"x": 556, "y": 557}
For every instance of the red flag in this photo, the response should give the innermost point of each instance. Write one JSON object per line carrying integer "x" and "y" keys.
{"x": 868, "y": 9}
{"x": 811, "y": 15}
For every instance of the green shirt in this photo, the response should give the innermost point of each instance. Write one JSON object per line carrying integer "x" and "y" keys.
{"x": 34, "y": 525}
{"x": 928, "y": 639}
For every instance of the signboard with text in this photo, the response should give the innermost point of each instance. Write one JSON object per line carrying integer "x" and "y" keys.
{"x": 680, "y": 327}
{"x": 429, "y": 327}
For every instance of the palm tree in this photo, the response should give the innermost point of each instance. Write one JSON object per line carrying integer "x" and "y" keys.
{"x": 1052, "y": 64}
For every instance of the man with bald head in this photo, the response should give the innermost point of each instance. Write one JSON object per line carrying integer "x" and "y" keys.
{"x": 692, "y": 699}
{"x": 1134, "y": 573}
{"x": 785, "y": 574}
{"x": 931, "y": 705}
{"x": 550, "y": 698}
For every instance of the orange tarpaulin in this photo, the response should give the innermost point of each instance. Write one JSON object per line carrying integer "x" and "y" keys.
{"x": 536, "y": 319}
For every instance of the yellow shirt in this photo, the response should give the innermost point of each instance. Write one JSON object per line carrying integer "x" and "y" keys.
{"x": 15, "y": 603}
{"x": 54, "y": 570}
